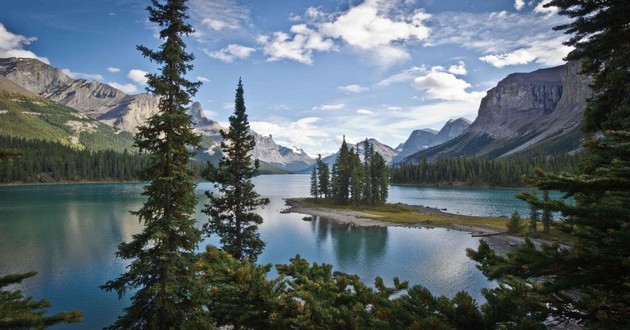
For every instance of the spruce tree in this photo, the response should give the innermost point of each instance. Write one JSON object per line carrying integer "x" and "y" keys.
{"x": 314, "y": 183}
{"x": 533, "y": 218}
{"x": 231, "y": 214}
{"x": 341, "y": 174}
{"x": 323, "y": 178}
{"x": 368, "y": 154}
{"x": 356, "y": 178}
{"x": 589, "y": 280}
{"x": 161, "y": 257}
{"x": 380, "y": 179}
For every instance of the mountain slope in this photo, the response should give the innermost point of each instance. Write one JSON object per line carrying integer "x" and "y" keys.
{"x": 94, "y": 99}
{"x": 284, "y": 158}
{"x": 387, "y": 152}
{"x": 26, "y": 115}
{"x": 525, "y": 114}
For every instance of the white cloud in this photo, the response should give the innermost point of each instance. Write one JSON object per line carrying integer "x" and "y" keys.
{"x": 368, "y": 28}
{"x": 138, "y": 76}
{"x": 303, "y": 132}
{"x": 113, "y": 69}
{"x": 459, "y": 69}
{"x": 394, "y": 108}
{"x": 12, "y": 45}
{"x": 365, "y": 112}
{"x": 500, "y": 34}
{"x": 231, "y": 52}
{"x": 298, "y": 47}
{"x": 353, "y": 88}
{"x": 216, "y": 24}
{"x": 446, "y": 86}
{"x": 127, "y": 88}
{"x": 203, "y": 79}
{"x": 519, "y": 4}
{"x": 364, "y": 27}
{"x": 548, "y": 52}
{"x": 80, "y": 75}
{"x": 329, "y": 107}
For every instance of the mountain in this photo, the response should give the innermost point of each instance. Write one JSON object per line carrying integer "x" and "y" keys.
{"x": 292, "y": 160}
{"x": 422, "y": 139}
{"x": 526, "y": 114}
{"x": 94, "y": 99}
{"x": 126, "y": 112}
{"x": 24, "y": 114}
{"x": 386, "y": 151}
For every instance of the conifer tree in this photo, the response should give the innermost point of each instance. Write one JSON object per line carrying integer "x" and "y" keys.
{"x": 323, "y": 173}
{"x": 533, "y": 218}
{"x": 368, "y": 154}
{"x": 589, "y": 280}
{"x": 231, "y": 214}
{"x": 160, "y": 273}
{"x": 356, "y": 178}
{"x": 314, "y": 183}
{"x": 380, "y": 179}
{"x": 341, "y": 174}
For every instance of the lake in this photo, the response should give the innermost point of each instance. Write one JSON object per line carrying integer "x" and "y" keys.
{"x": 69, "y": 233}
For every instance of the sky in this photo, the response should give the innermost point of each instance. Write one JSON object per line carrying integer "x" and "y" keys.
{"x": 313, "y": 71}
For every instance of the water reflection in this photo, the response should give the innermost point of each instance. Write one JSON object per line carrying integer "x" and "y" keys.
{"x": 70, "y": 233}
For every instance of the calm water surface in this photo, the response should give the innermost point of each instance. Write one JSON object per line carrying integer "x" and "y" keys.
{"x": 69, "y": 234}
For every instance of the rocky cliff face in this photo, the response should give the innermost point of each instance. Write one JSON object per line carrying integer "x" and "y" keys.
{"x": 425, "y": 138}
{"x": 526, "y": 113}
{"x": 94, "y": 99}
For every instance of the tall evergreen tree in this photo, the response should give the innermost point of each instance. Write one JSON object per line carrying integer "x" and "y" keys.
{"x": 314, "y": 183}
{"x": 323, "y": 173}
{"x": 231, "y": 214}
{"x": 588, "y": 281}
{"x": 380, "y": 179}
{"x": 356, "y": 178}
{"x": 162, "y": 255}
{"x": 341, "y": 174}
{"x": 368, "y": 154}
{"x": 534, "y": 217}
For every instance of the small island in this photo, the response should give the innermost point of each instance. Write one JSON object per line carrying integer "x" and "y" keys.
{"x": 492, "y": 229}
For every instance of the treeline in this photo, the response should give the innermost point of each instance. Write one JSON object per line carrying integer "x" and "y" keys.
{"x": 45, "y": 161}
{"x": 479, "y": 171}
{"x": 352, "y": 181}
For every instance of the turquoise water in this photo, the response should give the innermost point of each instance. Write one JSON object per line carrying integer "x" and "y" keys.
{"x": 69, "y": 233}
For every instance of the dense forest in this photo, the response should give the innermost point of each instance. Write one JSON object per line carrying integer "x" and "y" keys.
{"x": 45, "y": 161}
{"x": 479, "y": 171}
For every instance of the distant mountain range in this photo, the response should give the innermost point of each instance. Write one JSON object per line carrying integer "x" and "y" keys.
{"x": 526, "y": 114}
{"x": 125, "y": 112}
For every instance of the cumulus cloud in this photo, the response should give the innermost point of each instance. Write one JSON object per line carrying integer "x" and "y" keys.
{"x": 113, "y": 69}
{"x": 519, "y": 4}
{"x": 367, "y": 27}
{"x": 329, "y": 107}
{"x": 405, "y": 76}
{"x": 365, "y": 112}
{"x": 81, "y": 75}
{"x": 203, "y": 79}
{"x": 231, "y": 53}
{"x": 353, "y": 88}
{"x": 12, "y": 45}
{"x": 303, "y": 132}
{"x": 138, "y": 76}
{"x": 126, "y": 88}
{"x": 459, "y": 69}
{"x": 298, "y": 47}
{"x": 445, "y": 86}
{"x": 364, "y": 27}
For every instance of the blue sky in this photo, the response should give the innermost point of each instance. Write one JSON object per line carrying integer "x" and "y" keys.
{"x": 313, "y": 70}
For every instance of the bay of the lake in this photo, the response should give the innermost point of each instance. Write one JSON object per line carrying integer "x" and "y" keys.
{"x": 69, "y": 234}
